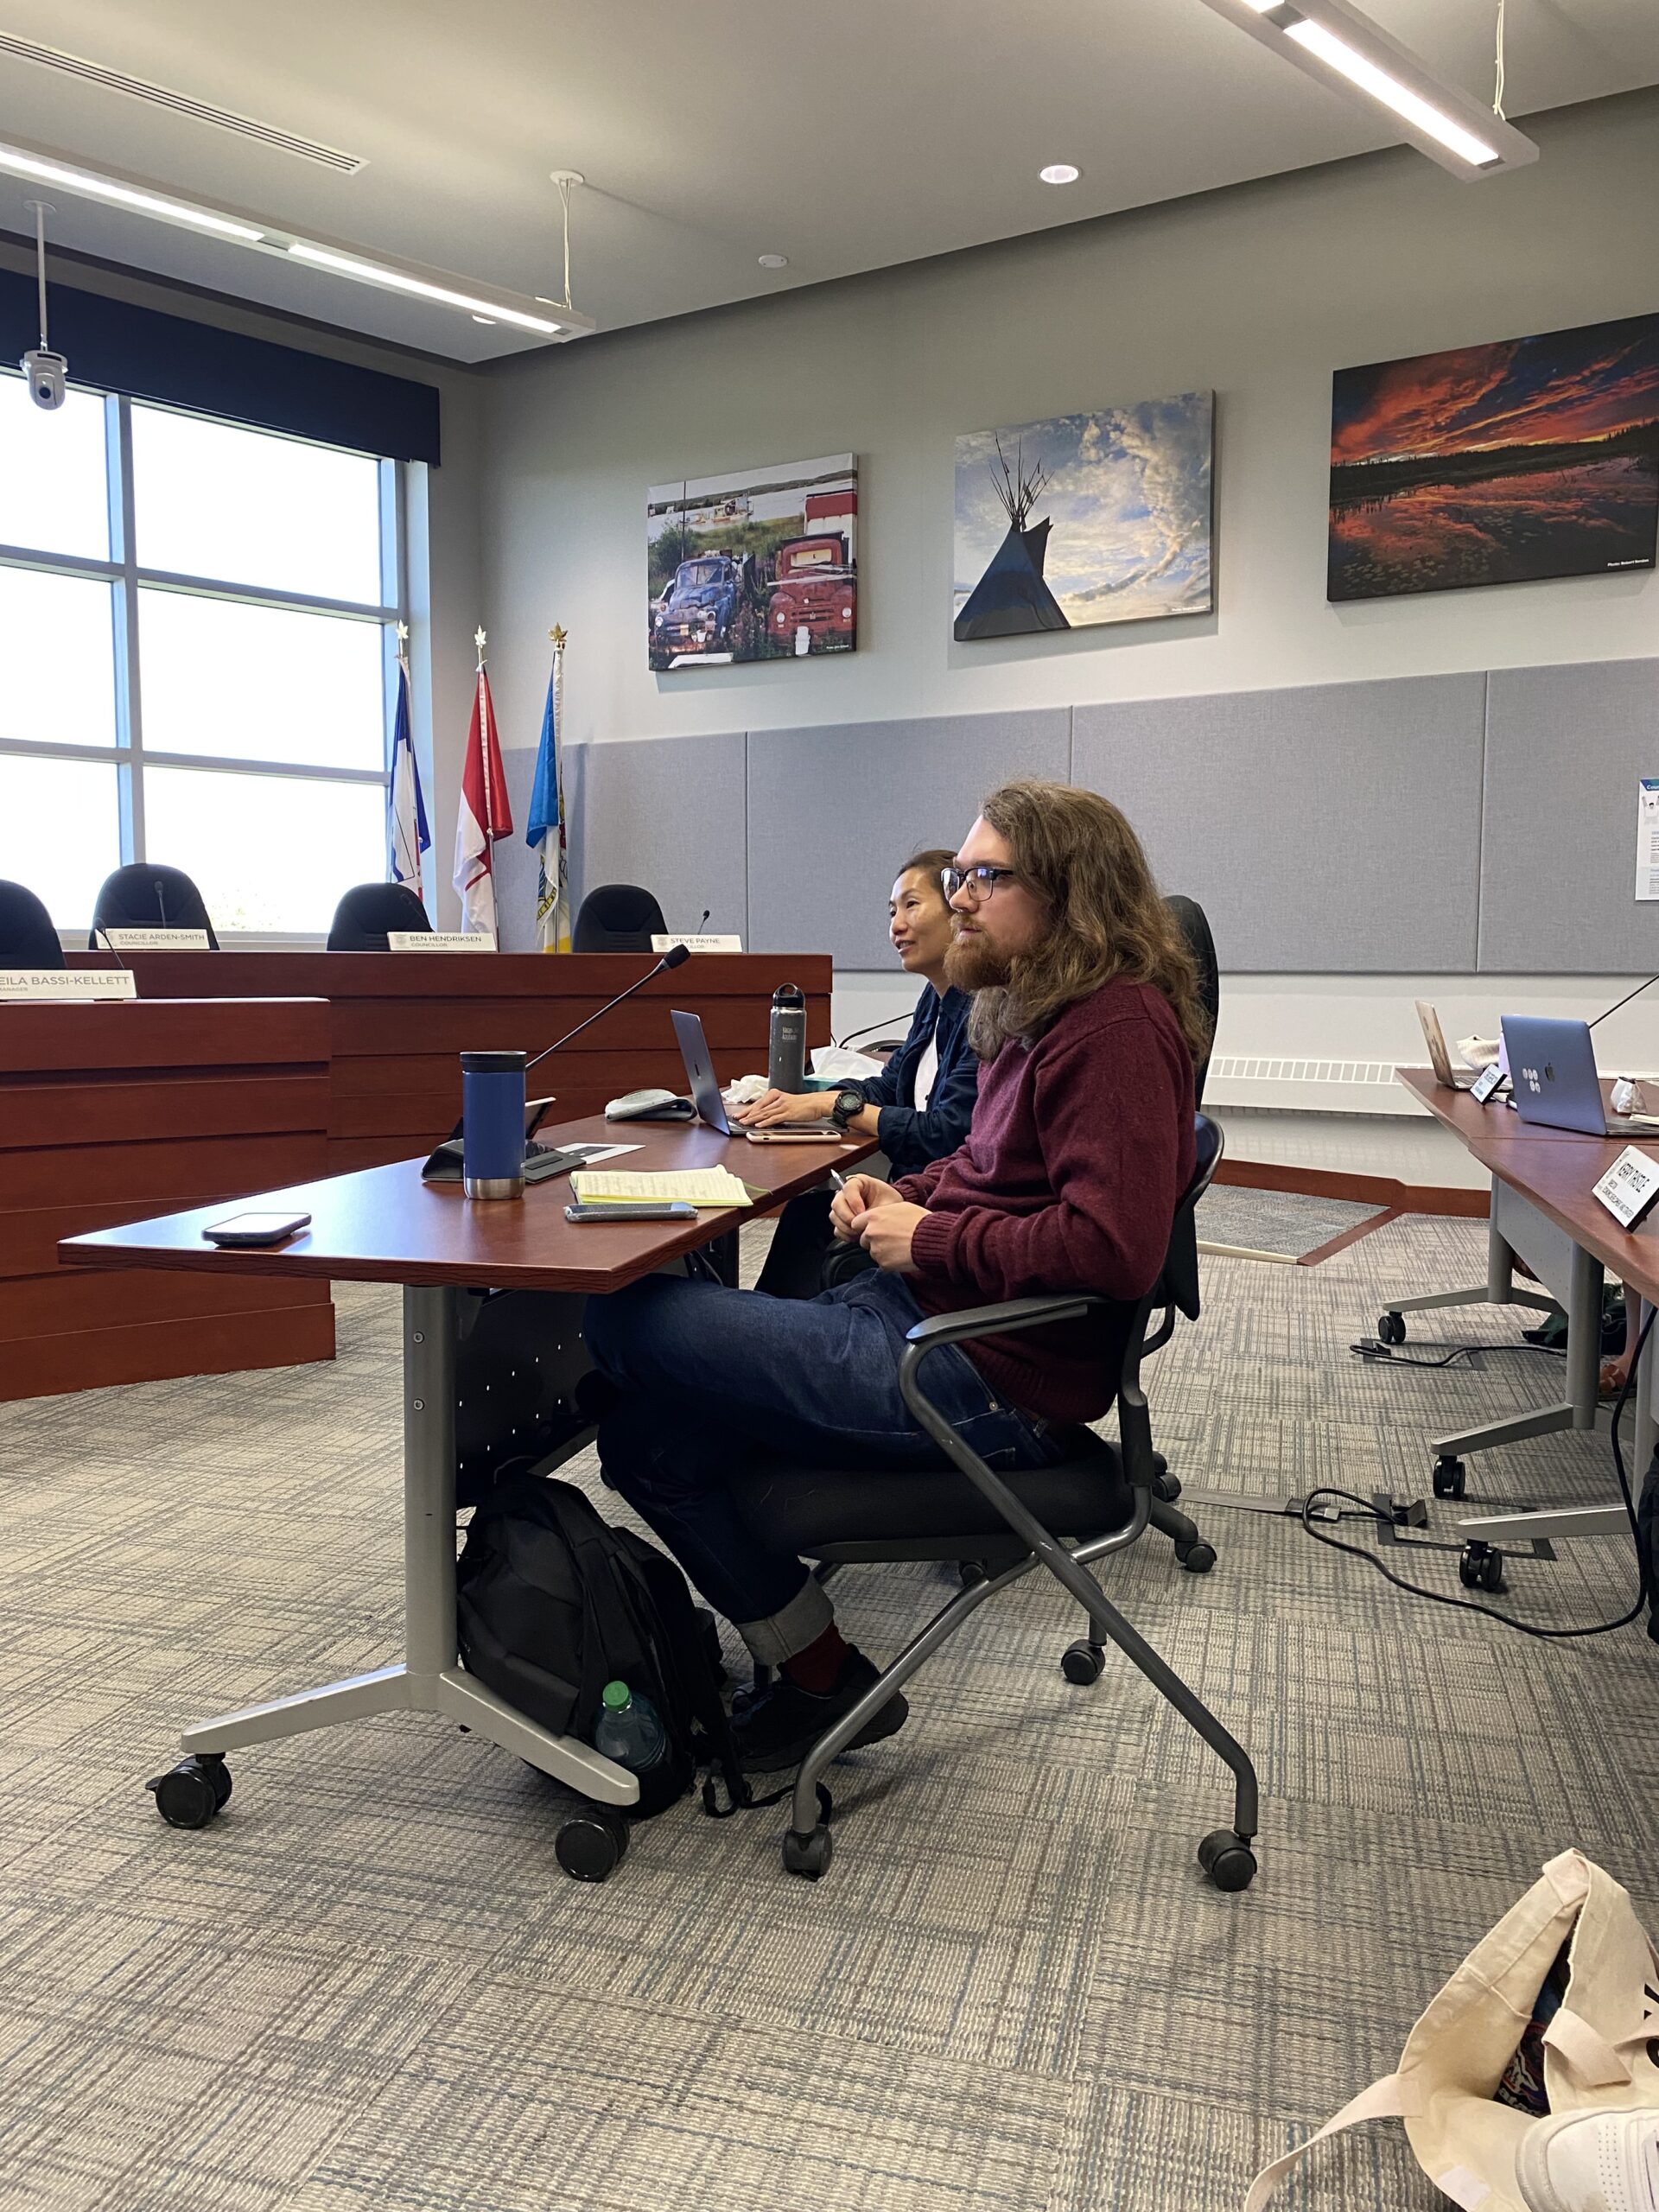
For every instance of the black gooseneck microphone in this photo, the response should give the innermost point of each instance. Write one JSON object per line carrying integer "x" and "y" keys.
{"x": 161, "y": 901}
{"x": 703, "y": 924}
{"x": 676, "y": 957}
{"x": 1625, "y": 1001}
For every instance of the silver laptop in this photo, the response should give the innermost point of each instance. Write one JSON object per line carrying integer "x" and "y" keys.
{"x": 700, "y": 1072}
{"x": 1553, "y": 1078}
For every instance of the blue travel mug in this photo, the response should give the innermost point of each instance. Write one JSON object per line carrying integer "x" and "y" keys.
{"x": 492, "y": 1125}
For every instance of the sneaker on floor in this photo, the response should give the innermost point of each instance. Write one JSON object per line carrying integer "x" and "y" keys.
{"x": 778, "y": 1726}
{"x": 1591, "y": 2162}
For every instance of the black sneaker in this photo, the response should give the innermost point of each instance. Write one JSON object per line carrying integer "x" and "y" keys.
{"x": 778, "y": 1727}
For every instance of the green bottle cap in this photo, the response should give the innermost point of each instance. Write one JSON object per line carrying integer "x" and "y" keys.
{"x": 616, "y": 1697}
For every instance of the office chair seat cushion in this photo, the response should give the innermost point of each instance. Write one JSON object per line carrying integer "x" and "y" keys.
{"x": 806, "y": 1508}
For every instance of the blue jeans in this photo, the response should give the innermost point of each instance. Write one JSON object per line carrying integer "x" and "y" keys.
{"x": 713, "y": 1376}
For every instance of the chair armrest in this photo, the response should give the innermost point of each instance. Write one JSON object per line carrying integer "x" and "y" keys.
{"x": 1015, "y": 1313}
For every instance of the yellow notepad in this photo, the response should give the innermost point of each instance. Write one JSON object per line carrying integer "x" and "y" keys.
{"x": 696, "y": 1186}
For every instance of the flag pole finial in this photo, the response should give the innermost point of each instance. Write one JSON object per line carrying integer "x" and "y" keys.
{"x": 478, "y": 639}
{"x": 403, "y": 634}
{"x": 557, "y": 635}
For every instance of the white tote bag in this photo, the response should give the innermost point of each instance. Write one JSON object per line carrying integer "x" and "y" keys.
{"x": 1601, "y": 2050}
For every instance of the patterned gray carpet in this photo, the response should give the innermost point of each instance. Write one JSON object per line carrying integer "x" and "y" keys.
{"x": 368, "y": 1989}
{"x": 1285, "y": 1221}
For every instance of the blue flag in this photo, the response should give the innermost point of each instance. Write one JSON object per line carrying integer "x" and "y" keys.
{"x": 407, "y": 834}
{"x": 545, "y": 832}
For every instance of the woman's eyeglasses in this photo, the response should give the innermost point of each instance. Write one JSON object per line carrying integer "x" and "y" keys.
{"x": 978, "y": 882}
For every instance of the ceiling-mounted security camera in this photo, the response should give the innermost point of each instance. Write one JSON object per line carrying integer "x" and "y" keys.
{"x": 48, "y": 372}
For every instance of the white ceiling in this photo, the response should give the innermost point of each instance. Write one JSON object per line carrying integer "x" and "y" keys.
{"x": 849, "y": 136}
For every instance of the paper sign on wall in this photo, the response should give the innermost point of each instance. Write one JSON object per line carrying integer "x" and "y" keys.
{"x": 1647, "y": 837}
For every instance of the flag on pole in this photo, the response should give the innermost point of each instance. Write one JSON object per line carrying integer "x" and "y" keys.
{"x": 486, "y": 812}
{"x": 407, "y": 834}
{"x": 544, "y": 833}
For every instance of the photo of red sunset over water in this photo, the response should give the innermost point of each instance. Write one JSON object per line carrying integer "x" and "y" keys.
{"x": 1496, "y": 464}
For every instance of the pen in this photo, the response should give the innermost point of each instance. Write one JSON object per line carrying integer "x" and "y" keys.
{"x": 838, "y": 1179}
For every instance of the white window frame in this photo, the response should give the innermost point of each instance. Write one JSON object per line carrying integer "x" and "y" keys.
{"x": 128, "y": 754}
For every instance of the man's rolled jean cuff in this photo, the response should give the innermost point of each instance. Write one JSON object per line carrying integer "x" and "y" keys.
{"x": 801, "y": 1622}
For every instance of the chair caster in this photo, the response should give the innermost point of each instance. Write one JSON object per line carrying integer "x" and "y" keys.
{"x": 1391, "y": 1328}
{"x": 1167, "y": 1488}
{"x": 971, "y": 1573}
{"x": 1450, "y": 1478}
{"x": 1481, "y": 1566}
{"x": 190, "y": 1795}
{"x": 809, "y": 1855}
{"x": 592, "y": 1843}
{"x": 1082, "y": 1662}
{"x": 1227, "y": 1860}
{"x": 1196, "y": 1559}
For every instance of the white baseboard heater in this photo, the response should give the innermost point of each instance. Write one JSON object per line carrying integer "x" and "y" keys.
{"x": 1306, "y": 1086}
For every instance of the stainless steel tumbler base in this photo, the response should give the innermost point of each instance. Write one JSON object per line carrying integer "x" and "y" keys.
{"x": 493, "y": 1186}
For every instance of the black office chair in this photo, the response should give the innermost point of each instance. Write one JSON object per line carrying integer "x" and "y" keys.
{"x": 26, "y": 936}
{"x": 1195, "y": 928}
{"x": 1099, "y": 1496}
{"x": 617, "y": 918}
{"x": 368, "y": 911}
{"x": 145, "y": 896}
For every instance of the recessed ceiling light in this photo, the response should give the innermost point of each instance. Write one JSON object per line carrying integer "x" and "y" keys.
{"x": 1059, "y": 172}
{"x": 774, "y": 261}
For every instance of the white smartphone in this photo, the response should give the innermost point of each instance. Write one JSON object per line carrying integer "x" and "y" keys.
{"x": 825, "y": 1134}
{"x": 242, "y": 1229}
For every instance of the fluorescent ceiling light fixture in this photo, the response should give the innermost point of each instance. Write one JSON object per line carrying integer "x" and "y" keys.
{"x": 1332, "y": 42}
{"x": 239, "y": 227}
{"x": 398, "y": 280}
{"x": 1059, "y": 172}
{"x": 87, "y": 183}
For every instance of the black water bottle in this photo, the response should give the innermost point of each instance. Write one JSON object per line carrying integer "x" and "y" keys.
{"x": 787, "y": 1056}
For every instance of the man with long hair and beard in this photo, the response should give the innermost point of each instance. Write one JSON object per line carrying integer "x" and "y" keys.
{"x": 1086, "y": 1022}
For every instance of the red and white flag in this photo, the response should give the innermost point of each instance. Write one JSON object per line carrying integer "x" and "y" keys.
{"x": 486, "y": 812}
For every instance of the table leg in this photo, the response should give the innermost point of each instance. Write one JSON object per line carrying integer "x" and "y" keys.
{"x": 429, "y": 1679}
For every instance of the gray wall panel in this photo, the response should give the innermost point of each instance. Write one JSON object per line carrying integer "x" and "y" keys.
{"x": 667, "y": 813}
{"x": 1332, "y": 828}
{"x": 1564, "y": 750}
{"x": 834, "y": 810}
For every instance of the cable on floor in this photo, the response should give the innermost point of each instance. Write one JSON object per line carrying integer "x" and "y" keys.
{"x": 1368, "y": 1511}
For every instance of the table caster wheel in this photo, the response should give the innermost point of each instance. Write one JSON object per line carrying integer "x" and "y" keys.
{"x": 1227, "y": 1860}
{"x": 1481, "y": 1566}
{"x": 1450, "y": 1478}
{"x": 969, "y": 1573}
{"x": 1081, "y": 1662}
{"x": 1196, "y": 1558}
{"x": 189, "y": 1794}
{"x": 591, "y": 1845}
{"x": 809, "y": 1855}
{"x": 1390, "y": 1329}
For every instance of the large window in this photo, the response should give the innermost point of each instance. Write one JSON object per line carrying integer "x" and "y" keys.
{"x": 195, "y": 655}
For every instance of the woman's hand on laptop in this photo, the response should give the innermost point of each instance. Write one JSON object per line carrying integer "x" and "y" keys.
{"x": 774, "y": 1108}
{"x": 858, "y": 1196}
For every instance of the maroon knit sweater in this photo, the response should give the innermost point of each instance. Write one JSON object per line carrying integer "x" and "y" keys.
{"x": 1081, "y": 1145}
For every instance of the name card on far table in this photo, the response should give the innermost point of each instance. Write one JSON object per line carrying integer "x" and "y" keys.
{"x": 155, "y": 940}
{"x": 1629, "y": 1187}
{"x": 439, "y": 941}
{"x": 42, "y": 986}
{"x": 694, "y": 943}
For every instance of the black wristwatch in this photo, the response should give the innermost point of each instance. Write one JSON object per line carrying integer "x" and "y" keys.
{"x": 849, "y": 1103}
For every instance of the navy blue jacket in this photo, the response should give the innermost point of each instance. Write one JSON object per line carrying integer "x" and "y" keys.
{"x": 913, "y": 1140}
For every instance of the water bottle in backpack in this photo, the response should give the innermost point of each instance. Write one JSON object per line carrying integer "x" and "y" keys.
{"x": 629, "y": 1730}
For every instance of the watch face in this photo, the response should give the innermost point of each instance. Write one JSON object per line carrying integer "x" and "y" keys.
{"x": 848, "y": 1102}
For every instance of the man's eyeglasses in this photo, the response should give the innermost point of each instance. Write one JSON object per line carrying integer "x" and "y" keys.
{"x": 980, "y": 882}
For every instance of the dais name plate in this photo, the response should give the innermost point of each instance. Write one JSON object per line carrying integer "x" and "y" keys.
{"x": 45, "y": 986}
{"x": 439, "y": 941}
{"x": 697, "y": 944}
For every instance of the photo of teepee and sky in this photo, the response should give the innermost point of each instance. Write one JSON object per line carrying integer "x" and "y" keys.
{"x": 1085, "y": 519}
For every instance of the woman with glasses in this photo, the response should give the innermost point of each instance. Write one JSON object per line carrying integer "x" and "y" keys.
{"x": 919, "y": 1106}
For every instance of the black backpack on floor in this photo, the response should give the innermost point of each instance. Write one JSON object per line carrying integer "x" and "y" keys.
{"x": 554, "y": 1603}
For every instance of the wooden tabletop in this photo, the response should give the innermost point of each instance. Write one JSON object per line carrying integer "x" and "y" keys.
{"x": 383, "y": 1225}
{"x": 1555, "y": 1170}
